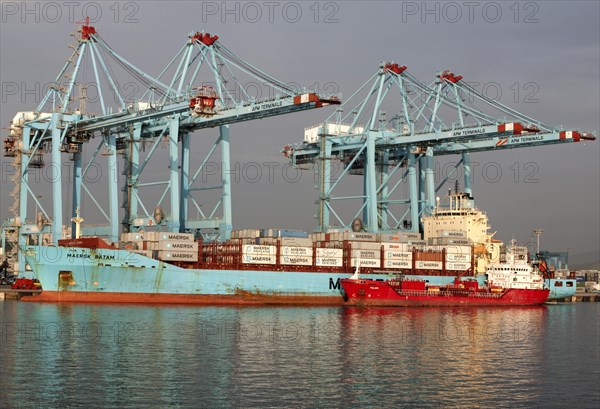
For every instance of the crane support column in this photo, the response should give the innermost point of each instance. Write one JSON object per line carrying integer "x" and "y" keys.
{"x": 56, "y": 178}
{"x": 133, "y": 174}
{"x": 227, "y": 224}
{"x": 466, "y": 162}
{"x": 414, "y": 199}
{"x": 382, "y": 189}
{"x": 371, "y": 180}
{"x": 174, "y": 173}
{"x": 185, "y": 179}
{"x": 77, "y": 179}
{"x": 324, "y": 183}
{"x": 113, "y": 191}
{"x": 422, "y": 189}
{"x": 430, "y": 180}
{"x": 23, "y": 181}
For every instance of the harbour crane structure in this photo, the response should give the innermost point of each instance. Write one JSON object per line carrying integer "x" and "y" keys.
{"x": 203, "y": 86}
{"x": 444, "y": 117}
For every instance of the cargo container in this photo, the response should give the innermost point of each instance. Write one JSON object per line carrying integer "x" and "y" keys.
{"x": 397, "y": 255}
{"x": 145, "y": 253}
{"x": 458, "y": 266}
{"x": 330, "y": 253}
{"x": 366, "y": 262}
{"x": 453, "y": 257}
{"x": 257, "y": 249}
{"x": 364, "y": 245}
{"x": 180, "y": 246}
{"x": 297, "y": 251}
{"x": 329, "y": 262}
{"x": 132, "y": 236}
{"x": 175, "y": 236}
{"x": 296, "y": 241}
{"x": 375, "y": 254}
{"x": 428, "y": 265}
{"x": 453, "y": 233}
{"x": 252, "y": 258}
{"x": 296, "y": 260}
{"x": 277, "y": 233}
{"x": 400, "y": 237}
{"x": 397, "y": 263}
{"x": 177, "y": 256}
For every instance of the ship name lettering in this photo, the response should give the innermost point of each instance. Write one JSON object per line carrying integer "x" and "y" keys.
{"x": 334, "y": 285}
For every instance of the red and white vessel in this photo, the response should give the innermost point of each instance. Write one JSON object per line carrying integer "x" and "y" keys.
{"x": 513, "y": 281}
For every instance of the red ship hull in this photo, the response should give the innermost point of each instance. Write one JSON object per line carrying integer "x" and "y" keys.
{"x": 381, "y": 293}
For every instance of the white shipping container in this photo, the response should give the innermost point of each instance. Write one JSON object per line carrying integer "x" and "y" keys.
{"x": 146, "y": 253}
{"x": 178, "y": 245}
{"x": 132, "y": 237}
{"x": 365, "y": 245}
{"x": 360, "y": 236}
{"x": 396, "y": 246}
{"x": 258, "y": 259}
{"x": 428, "y": 265}
{"x": 257, "y": 249}
{"x": 330, "y": 253}
{"x": 175, "y": 236}
{"x": 458, "y": 266}
{"x": 458, "y": 250}
{"x": 398, "y": 255}
{"x": 177, "y": 256}
{"x": 297, "y": 251}
{"x": 296, "y": 242}
{"x": 397, "y": 263}
{"x": 329, "y": 262}
{"x": 453, "y": 233}
{"x": 152, "y": 235}
{"x": 401, "y": 237}
{"x": 452, "y": 257}
{"x": 366, "y": 262}
{"x": 268, "y": 241}
{"x": 296, "y": 260}
{"x": 375, "y": 254}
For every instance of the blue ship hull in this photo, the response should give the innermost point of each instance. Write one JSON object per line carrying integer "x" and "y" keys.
{"x": 561, "y": 288}
{"x": 81, "y": 274}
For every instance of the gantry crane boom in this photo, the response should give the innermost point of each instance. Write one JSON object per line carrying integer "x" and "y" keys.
{"x": 440, "y": 118}
{"x": 205, "y": 90}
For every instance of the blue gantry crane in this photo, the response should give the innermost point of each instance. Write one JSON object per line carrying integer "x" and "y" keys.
{"x": 444, "y": 117}
{"x": 203, "y": 86}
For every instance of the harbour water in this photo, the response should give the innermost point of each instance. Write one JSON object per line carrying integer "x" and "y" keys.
{"x": 145, "y": 356}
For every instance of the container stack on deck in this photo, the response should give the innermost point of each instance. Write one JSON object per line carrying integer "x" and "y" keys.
{"x": 290, "y": 250}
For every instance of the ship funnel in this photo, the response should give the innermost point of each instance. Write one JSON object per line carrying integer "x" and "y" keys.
{"x": 40, "y": 220}
{"x": 357, "y": 225}
{"x": 158, "y": 214}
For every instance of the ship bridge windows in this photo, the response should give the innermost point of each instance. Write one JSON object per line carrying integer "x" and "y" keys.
{"x": 558, "y": 284}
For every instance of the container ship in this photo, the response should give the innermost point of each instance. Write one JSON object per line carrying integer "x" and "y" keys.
{"x": 269, "y": 266}
{"x": 514, "y": 282}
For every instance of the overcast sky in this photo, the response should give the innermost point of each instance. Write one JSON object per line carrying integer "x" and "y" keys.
{"x": 549, "y": 49}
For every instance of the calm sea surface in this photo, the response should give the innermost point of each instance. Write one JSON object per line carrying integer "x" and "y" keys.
{"x": 143, "y": 356}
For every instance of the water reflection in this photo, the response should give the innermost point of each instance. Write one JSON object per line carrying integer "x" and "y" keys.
{"x": 82, "y": 355}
